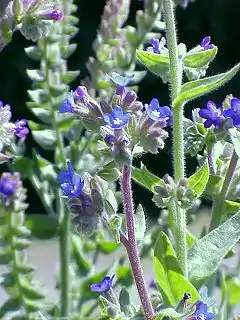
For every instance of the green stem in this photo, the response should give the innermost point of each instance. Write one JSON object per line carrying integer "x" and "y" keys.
{"x": 64, "y": 217}
{"x": 64, "y": 247}
{"x": 178, "y": 138}
{"x": 217, "y": 209}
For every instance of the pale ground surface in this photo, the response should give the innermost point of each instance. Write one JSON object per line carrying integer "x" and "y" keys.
{"x": 44, "y": 255}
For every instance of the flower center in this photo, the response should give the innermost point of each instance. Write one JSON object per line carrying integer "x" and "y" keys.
{"x": 155, "y": 114}
{"x": 117, "y": 121}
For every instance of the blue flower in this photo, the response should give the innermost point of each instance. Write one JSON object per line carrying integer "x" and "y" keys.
{"x": 104, "y": 286}
{"x": 201, "y": 312}
{"x": 117, "y": 119}
{"x": 71, "y": 182}
{"x": 155, "y": 44}
{"x": 7, "y": 187}
{"x": 21, "y": 130}
{"x": 206, "y": 43}
{"x": 157, "y": 113}
{"x": 68, "y": 103}
{"x": 233, "y": 112}
{"x": 212, "y": 115}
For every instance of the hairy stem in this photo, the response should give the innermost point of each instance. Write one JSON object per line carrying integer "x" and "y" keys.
{"x": 64, "y": 220}
{"x": 131, "y": 244}
{"x": 217, "y": 209}
{"x": 178, "y": 138}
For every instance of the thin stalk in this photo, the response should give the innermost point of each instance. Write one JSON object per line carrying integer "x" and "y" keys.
{"x": 64, "y": 219}
{"x": 178, "y": 137}
{"x": 217, "y": 209}
{"x": 210, "y": 157}
{"x": 131, "y": 243}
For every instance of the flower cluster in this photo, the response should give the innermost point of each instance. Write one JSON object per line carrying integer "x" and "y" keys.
{"x": 9, "y": 128}
{"x": 216, "y": 115}
{"x": 31, "y": 17}
{"x": 85, "y": 199}
{"x": 125, "y": 122}
{"x": 12, "y": 193}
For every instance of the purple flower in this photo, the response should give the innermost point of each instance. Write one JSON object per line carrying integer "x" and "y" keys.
{"x": 206, "y": 43}
{"x": 81, "y": 92}
{"x": 155, "y": 44}
{"x": 201, "y": 312}
{"x": 233, "y": 112}
{"x": 21, "y": 130}
{"x": 104, "y": 286}
{"x": 212, "y": 115}
{"x": 157, "y": 113}
{"x": 71, "y": 182}
{"x": 68, "y": 103}
{"x": 117, "y": 119}
{"x": 7, "y": 187}
{"x": 56, "y": 15}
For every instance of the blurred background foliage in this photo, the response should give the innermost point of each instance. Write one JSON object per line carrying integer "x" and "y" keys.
{"x": 218, "y": 18}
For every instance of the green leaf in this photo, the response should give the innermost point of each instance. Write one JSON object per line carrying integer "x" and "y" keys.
{"x": 35, "y": 75}
{"x": 42, "y": 114}
{"x": 191, "y": 239}
{"x": 156, "y": 63}
{"x": 199, "y": 59}
{"x": 23, "y": 165}
{"x": 38, "y": 96}
{"x": 30, "y": 292}
{"x": 69, "y": 76}
{"x": 169, "y": 313}
{"x": 206, "y": 254}
{"x": 198, "y": 181}
{"x": 9, "y": 306}
{"x": 34, "y": 53}
{"x": 233, "y": 291}
{"x": 45, "y": 138}
{"x": 42, "y": 226}
{"x": 108, "y": 247}
{"x": 83, "y": 265}
{"x": 230, "y": 207}
{"x": 171, "y": 282}
{"x": 195, "y": 89}
{"x": 109, "y": 172}
{"x": 146, "y": 178}
{"x": 140, "y": 223}
{"x": 235, "y": 137}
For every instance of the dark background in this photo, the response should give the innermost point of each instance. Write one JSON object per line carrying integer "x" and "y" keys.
{"x": 218, "y": 18}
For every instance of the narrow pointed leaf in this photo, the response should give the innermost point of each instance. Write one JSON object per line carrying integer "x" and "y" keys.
{"x": 195, "y": 89}
{"x": 206, "y": 254}
{"x": 146, "y": 178}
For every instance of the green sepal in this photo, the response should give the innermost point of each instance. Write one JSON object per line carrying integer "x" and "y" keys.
{"x": 199, "y": 59}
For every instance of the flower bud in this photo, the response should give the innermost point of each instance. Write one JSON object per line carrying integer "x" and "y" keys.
{"x": 129, "y": 98}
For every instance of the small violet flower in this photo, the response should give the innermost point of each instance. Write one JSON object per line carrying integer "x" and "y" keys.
{"x": 158, "y": 46}
{"x": 71, "y": 182}
{"x": 68, "y": 103}
{"x": 233, "y": 112}
{"x": 20, "y": 128}
{"x": 117, "y": 119}
{"x": 104, "y": 286}
{"x": 56, "y": 15}
{"x": 157, "y": 113}
{"x": 201, "y": 312}
{"x": 212, "y": 115}
{"x": 206, "y": 43}
{"x": 7, "y": 187}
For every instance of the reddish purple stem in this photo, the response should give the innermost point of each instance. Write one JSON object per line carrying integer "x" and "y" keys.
{"x": 130, "y": 243}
